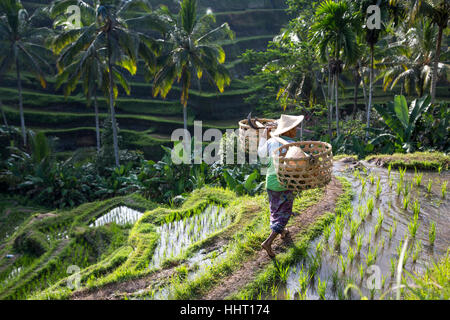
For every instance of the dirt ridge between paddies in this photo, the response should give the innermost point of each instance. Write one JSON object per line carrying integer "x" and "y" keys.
{"x": 297, "y": 226}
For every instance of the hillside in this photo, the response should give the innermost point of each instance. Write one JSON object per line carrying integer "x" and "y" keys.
{"x": 146, "y": 122}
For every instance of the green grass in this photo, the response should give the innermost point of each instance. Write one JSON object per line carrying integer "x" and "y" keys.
{"x": 418, "y": 160}
{"x": 130, "y": 260}
{"x": 84, "y": 247}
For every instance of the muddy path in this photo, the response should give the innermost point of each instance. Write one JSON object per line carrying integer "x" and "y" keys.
{"x": 260, "y": 260}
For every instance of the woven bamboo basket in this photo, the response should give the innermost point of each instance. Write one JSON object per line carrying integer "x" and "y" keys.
{"x": 249, "y": 136}
{"x": 309, "y": 172}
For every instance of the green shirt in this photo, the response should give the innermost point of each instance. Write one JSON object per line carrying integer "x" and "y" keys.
{"x": 272, "y": 182}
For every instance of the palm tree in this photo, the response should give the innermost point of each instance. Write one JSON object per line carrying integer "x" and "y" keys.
{"x": 103, "y": 48}
{"x": 86, "y": 64}
{"x": 372, "y": 36}
{"x": 21, "y": 47}
{"x": 191, "y": 47}
{"x": 409, "y": 61}
{"x": 439, "y": 13}
{"x": 333, "y": 34}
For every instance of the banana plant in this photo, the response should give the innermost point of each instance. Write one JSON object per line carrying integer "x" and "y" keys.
{"x": 249, "y": 185}
{"x": 401, "y": 121}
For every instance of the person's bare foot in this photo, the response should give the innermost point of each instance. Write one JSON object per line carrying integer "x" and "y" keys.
{"x": 284, "y": 234}
{"x": 268, "y": 249}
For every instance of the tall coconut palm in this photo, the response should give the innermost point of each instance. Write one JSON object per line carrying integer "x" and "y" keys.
{"x": 372, "y": 35}
{"x": 21, "y": 47}
{"x": 409, "y": 61}
{"x": 103, "y": 46}
{"x": 333, "y": 34}
{"x": 439, "y": 13}
{"x": 191, "y": 48}
{"x": 87, "y": 64}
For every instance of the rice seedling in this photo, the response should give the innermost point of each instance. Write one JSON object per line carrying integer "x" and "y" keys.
{"x": 319, "y": 248}
{"x": 356, "y": 173}
{"x": 382, "y": 243}
{"x": 432, "y": 233}
{"x": 391, "y": 182}
{"x": 361, "y": 271}
{"x": 413, "y": 225}
{"x": 350, "y": 255}
{"x": 389, "y": 170}
{"x": 406, "y": 189}
{"x": 418, "y": 179}
{"x": 359, "y": 241}
{"x": 371, "y": 179}
{"x": 303, "y": 280}
{"x": 439, "y": 170}
{"x": 315, "y": 264}
{"x": 362, "y": 212}
{"x": 370, "y": 205}
{"x": 402, "y": 172}
{"x": 274, "y": 291}
{"x": 343, "y": 263}
{"x": 393, "y": 266}
{"x": 399, "y": 188}
{"x": 326, "y": 233}
{"x": 339, "y": 231}
{"x": 417, "y": 250}
{"x": 429, "y": 185}
{"x": 444, "y": 189}
{"x": 405, "y": 259}
{"x": 369, "y": 239}
{"x": 371, "y": 256}
{"x": 282, "y": 272}
{"x": 406, "y": 202}
{"x": 321, "y": 288}
{"x": 416, "y": 207}
{"x": 399, "y": 247}
{"x": 363, "y": 184}
{"x": 391, "y": 232}
{"x": 378, "y": 190}
{"x": 383, "y": 280}
{"x": 380, "y": 219}
{"x": 354, "y": 225}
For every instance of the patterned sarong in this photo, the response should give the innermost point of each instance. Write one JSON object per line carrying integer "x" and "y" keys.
{"x": 280, "y": 209}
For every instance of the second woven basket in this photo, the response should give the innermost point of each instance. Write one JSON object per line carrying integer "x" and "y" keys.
{"x": 308, "y": 172}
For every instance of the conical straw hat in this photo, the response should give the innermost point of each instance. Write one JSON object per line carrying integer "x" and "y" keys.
{"x": 287, "y": 123}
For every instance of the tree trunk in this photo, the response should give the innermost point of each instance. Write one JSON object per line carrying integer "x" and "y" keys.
{"x": 369, "y": 106}
{"x": 330, "y": 102}
{"x": 97, "y": 122}
{"x": 355, "y": 95}
{"x": 3, "y": 115}
{"x": 337, "y": 104}
{"x": 113, "y": 113}
{"x": 22, "y": 117}
{"x": 436, "y": 64}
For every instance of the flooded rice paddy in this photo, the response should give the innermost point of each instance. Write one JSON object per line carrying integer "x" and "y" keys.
{"x": 177, "y": 236}
{"x": 120, "y": 215}
{"x": 363, "y": 245}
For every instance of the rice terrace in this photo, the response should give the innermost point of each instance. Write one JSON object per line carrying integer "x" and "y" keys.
{"x": 224, "y": 150}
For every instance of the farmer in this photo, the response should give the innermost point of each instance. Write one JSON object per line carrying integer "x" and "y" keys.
{"x": 280, "y": 199}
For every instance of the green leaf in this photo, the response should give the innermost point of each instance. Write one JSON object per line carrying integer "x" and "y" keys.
{"x": 401, "y": 110}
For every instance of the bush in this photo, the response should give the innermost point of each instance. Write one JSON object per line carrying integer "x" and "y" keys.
{"x": 31, "y": 242}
